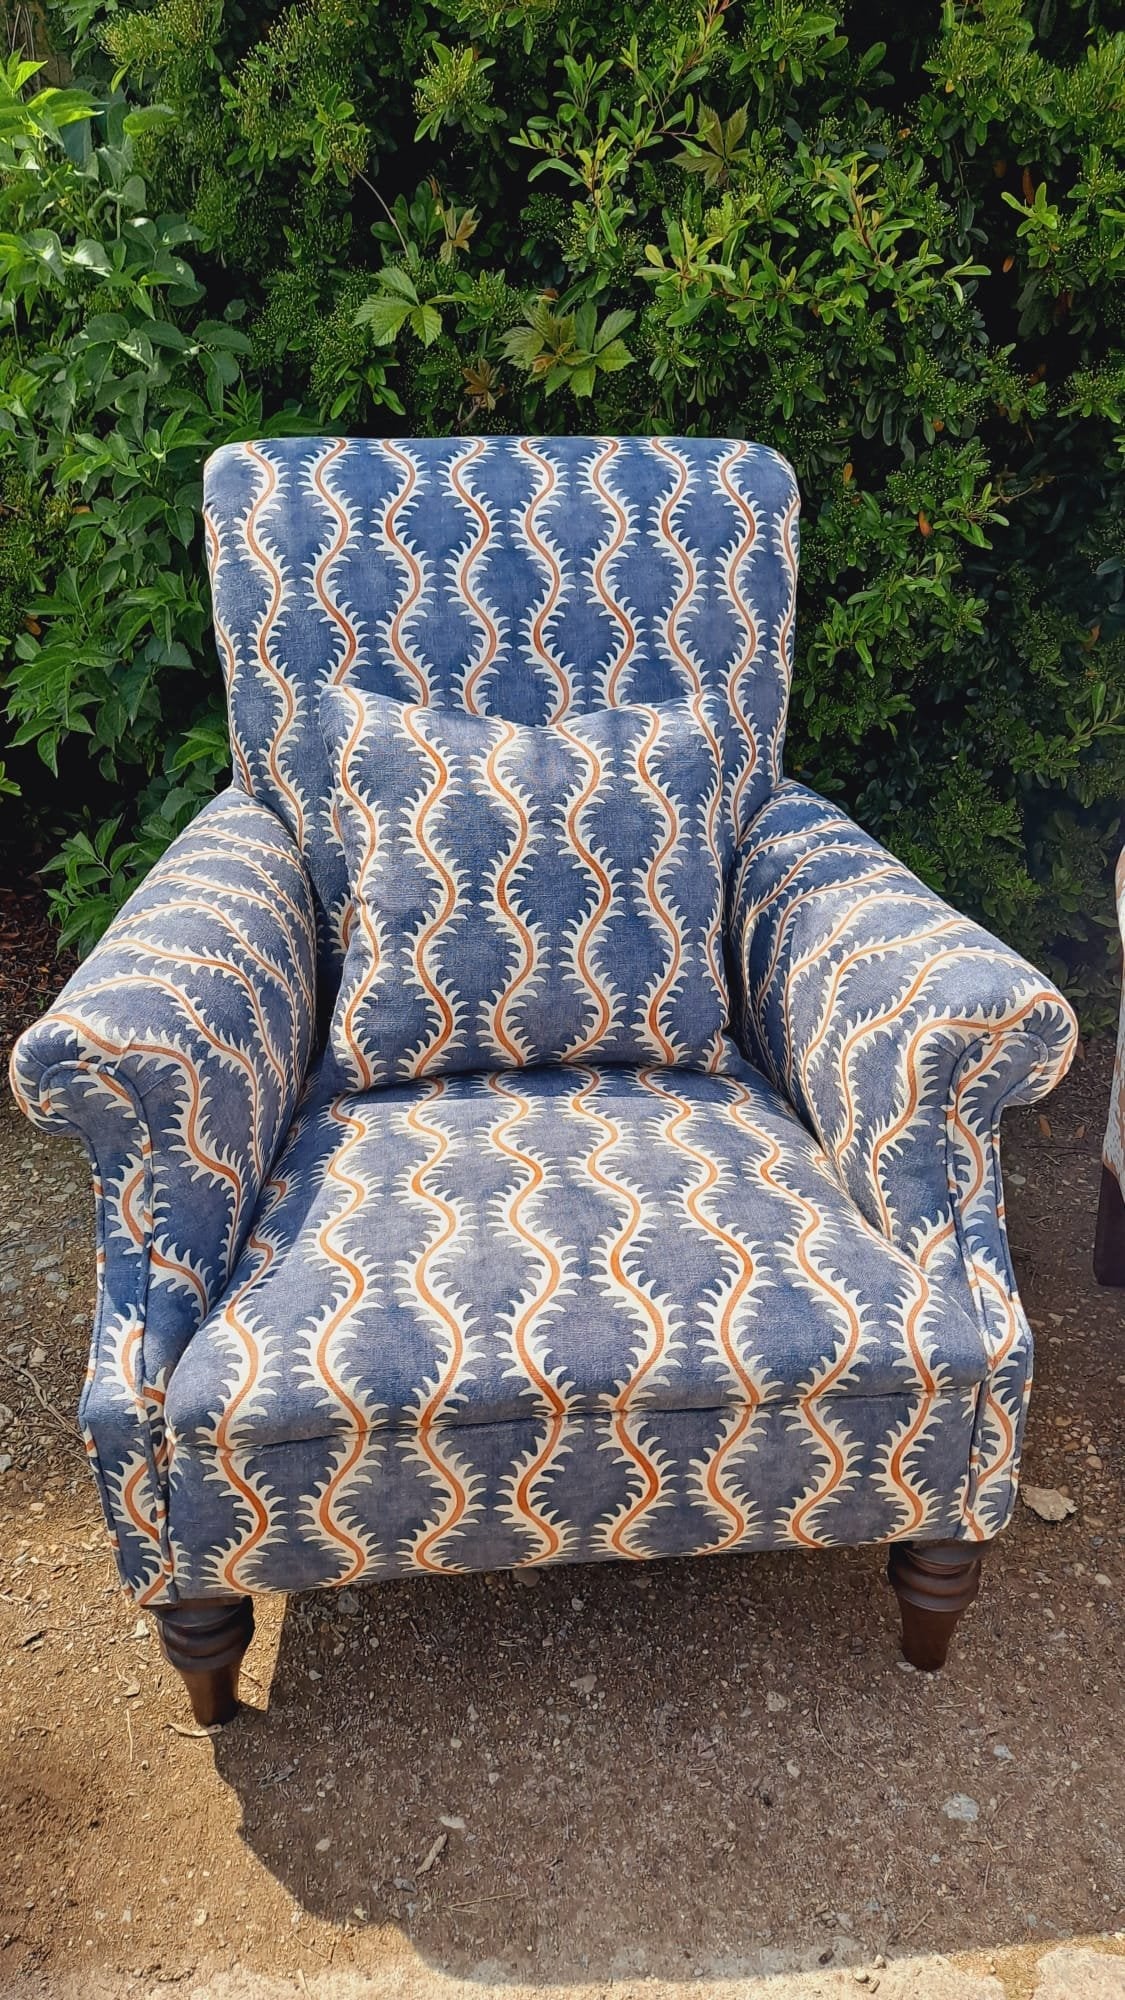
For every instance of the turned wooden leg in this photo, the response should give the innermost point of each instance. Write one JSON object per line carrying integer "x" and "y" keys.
{"x": 1109, "y": 1234}
{"x": 204, "y": 1638}
{"x": 934, "y": 1583}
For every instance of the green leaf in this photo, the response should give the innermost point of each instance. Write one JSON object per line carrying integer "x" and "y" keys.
{"x": 585, "y": 326}
{"x": 146, "y": 118}
{"x": 613, "y": 358}
{"x": 385, "y": 317}
{"x": 393, "y": 280}
{"x": 91, "y": 256}
{"x": 62, "y": 107}
{"x": 613, "y": 324}
{"x": 523, "y": 345}
{"x": 427, "y": 324}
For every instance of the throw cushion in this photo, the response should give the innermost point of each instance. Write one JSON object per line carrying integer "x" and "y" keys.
{"x": 527, "y": 895}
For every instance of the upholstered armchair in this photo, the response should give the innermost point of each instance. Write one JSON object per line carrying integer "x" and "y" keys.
{"x": 526, "y": 1127}
{"x": 1109, "y": 1238}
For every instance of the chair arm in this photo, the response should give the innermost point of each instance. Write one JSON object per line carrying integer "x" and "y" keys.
{"x": 898, "y": 1029}
{"x": 176, "y": 1052}
{"x": 900, "y": 1032}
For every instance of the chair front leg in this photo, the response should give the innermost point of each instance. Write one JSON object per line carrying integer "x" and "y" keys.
{"x": 934, "y": 1583}
{"x": 204, "y": 1639}
{"x": 1109, "y": 1234}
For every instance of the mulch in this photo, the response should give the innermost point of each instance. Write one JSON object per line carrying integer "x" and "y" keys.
{"x": 31, "y": 967}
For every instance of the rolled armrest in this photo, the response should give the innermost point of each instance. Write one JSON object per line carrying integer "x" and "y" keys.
{"x": 176, "y": 1053}
{"x": 898, "y": 1029}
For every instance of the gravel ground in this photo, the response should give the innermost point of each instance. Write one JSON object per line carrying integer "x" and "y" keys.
{"x": 582, "y": 1779}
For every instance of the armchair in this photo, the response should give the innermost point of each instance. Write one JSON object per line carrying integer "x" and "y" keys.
{"x": 584, "y": 1311}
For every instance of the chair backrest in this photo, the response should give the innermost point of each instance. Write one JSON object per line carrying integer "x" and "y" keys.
{"x": 519, "y": 577}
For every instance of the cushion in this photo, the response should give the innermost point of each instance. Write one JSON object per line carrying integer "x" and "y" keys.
{"x": 585, "y": 1311}
{"x": 527, "y": 895}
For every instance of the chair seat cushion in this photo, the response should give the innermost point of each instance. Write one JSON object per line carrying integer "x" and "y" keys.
{"x": 534, "y": 1244}
{"x": 562, "y": 1315}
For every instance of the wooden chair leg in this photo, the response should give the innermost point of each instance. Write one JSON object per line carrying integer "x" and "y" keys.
{"x": 1109, "y": 1233}
{"x": 934, "y": 1583}
{"x": 205, "y": 1638}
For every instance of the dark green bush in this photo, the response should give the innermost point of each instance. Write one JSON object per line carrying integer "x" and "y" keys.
{"x": 890, "y": 242}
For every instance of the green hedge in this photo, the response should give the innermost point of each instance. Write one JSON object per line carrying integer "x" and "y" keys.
{"x": 895, "y": 248}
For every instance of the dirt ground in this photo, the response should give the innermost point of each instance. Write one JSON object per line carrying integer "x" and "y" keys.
{"x": 691, "y": 1771}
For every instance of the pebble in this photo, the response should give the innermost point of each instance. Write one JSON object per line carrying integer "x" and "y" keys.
{"x": 962, "y": 1808}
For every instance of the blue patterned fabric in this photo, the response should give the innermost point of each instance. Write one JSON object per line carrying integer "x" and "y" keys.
{"x": 1113, "y": 1151}
{"x": 527, "y": 896}
{"x": 900, "y": 1031}
{"x": 606, "y": 1312}
{"x": 529, "y": 578}
{"x": 177, "y": 1053}
{"x": 540, "y": 1313}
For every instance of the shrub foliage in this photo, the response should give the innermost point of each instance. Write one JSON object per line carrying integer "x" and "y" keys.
{"x": 890, "y": 242}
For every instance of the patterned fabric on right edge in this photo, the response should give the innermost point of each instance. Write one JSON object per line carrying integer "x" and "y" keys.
{"x": 1114, "y": 1150}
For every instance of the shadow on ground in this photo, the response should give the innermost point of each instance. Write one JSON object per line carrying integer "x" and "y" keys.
{"x": 748, "y": 1768}
{"x": 684, "y": 1770}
